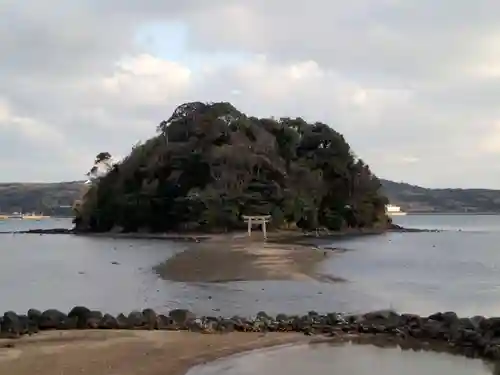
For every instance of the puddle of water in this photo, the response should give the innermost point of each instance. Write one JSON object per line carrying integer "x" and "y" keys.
{"x": 326, "y": 359}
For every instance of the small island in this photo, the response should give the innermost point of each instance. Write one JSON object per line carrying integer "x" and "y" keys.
{"x": 209, "y": 165}
{"x": 212, "y": 170}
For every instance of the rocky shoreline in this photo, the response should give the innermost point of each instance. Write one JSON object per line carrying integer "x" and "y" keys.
{"x": 475, "y": 337}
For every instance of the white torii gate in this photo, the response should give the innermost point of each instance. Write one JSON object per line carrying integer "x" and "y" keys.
{"x": 259, "y": 220}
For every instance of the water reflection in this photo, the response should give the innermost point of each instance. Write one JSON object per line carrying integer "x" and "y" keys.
{"x": 60, "y": 271}
{"x": 115, "y": 275}
{"x": 411, "y": 272}
{"x": 346, "y": 358}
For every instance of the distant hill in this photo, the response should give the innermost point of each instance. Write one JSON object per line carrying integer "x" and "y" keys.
{"x": 54, "y": 199}
{"x": 418, "y": 199}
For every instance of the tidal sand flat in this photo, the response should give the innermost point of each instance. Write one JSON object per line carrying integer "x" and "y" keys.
{"x": 224, "y": 259}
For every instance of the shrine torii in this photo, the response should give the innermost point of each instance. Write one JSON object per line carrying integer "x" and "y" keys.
{"x": 261, "y": 220}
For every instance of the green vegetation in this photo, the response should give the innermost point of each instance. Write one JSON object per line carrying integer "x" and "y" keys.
{"x": 49, "y": 197}
{"x": 418, "y": 199}
{"x": 209, "y": 164}
{"x": 54, "y": 199}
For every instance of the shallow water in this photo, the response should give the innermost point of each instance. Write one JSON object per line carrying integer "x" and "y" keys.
{"x": 61, "y": 271}
{"x": 469, "y": 223}
{"x": 11, "y": 225}
{"x": 414, "y": 272}
{"x": 325, "y": 359}
{"x": 427, "y": 272}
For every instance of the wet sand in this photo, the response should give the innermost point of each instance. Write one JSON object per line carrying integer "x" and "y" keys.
{"x": 126, "y": 352}
{"x": 238, "y": 258}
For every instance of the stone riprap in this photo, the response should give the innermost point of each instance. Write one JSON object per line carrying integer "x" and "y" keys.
{"x": 474, "y": 337}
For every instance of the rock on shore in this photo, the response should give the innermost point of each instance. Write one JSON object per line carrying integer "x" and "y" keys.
{"x": 474, "y": 337}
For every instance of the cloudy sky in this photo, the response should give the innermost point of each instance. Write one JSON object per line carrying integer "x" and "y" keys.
{"x": 414, "y": 85}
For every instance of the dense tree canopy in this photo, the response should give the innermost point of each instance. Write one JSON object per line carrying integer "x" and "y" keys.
{"x": 209, "y": 164}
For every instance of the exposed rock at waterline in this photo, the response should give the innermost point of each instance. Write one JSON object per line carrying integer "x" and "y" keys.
{"x": 150, "y": 318}
{"x": 108, "y": 321}
{"x": 182, "y": 317}
{"x": 54, "y": 319}
{"x": 136, "y": 319}
{"x": 81, "y": 314}
{"x": 474, "y": 337}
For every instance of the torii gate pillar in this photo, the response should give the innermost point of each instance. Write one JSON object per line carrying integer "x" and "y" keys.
{"x": 262, "y": 220}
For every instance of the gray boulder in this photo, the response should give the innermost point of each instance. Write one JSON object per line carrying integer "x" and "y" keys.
{"x": 51, "y": 319}
{"x": 68, "y": 323}
{"x": 123, "y": 322}
{"x": 226, "y": 325}
{"x": 450, "y": 318}
{"x": 93, "y": 319}
{"x": 182, "y": 317}
{"x": 11, "y": 325}
{"x": 108, "y": 322}
{"x": 150, "y": 318}
{"x": 388, "y": 319}
{"x": 81, "y": 313}
{"x": 136, "y": 319}
{"x": 381, "y": 315}
{"x": 281, "y": 317}
{"x": 165, "y": 322}
{"x": 435, "y": 329}
{"x": 34, "y": 315}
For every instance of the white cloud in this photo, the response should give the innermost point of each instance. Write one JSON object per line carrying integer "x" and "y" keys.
{"x": 413, "y": 85}
{"x": 29, "y": 127}
{"x": 4, "y": 111}
{"x": 146, "y": 80}
{"x": 409, "y": 160}
{"x": 490, "y": 143}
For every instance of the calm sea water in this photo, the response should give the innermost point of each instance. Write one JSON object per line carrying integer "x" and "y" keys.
{"x": 324, "y": 359}
{"x": 22, "y": 225}
{"x": 457, "y": 269}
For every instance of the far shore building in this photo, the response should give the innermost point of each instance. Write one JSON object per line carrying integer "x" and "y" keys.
{"x": 393, "y": 210}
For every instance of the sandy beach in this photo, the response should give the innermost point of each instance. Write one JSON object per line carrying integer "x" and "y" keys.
{"x": 126, "y": 352}
{"x": 239, "y": 258}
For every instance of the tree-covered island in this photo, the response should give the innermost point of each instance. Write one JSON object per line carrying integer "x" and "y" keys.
{"x": 209, "y": 164}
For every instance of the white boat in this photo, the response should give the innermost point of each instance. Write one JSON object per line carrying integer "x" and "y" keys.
{"x": 393, "y": 210}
